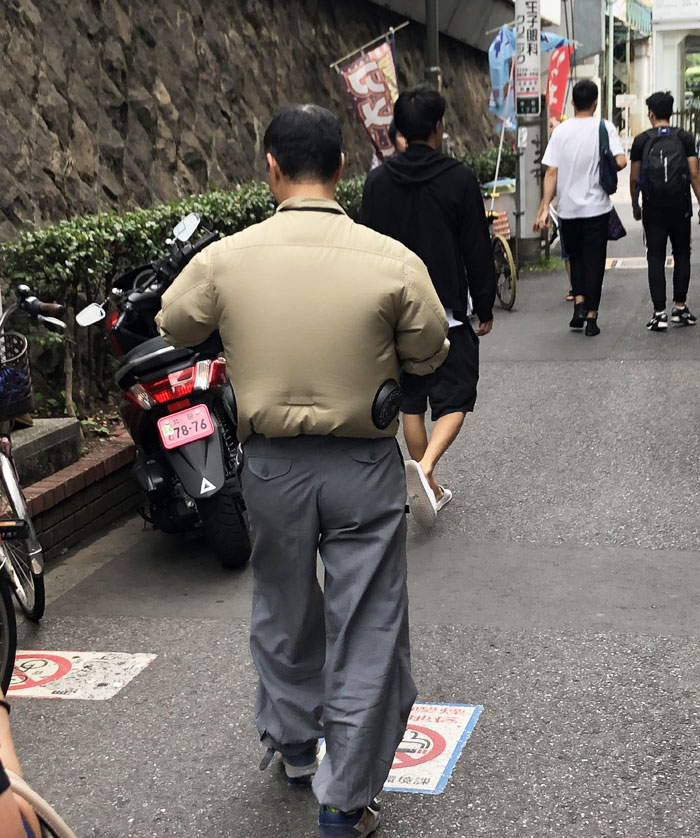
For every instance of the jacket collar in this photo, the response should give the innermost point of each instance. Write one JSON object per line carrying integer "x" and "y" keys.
{"x": 321, "y": 204}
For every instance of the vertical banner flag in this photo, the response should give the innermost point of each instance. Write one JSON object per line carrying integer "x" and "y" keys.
{"x": 559, "y": 65}
{"x": 527, "y": 57}
{"x": 371, "y": 84}
{"x": 501, "y": 55}
{"x": 502, "y": 100}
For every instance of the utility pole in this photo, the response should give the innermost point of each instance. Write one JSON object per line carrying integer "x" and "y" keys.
{"x": 531, "y": 141}
{"x": 432, "y": 44}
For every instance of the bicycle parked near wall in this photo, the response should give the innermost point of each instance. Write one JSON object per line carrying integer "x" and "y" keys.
{"x": 21, "y": 560}
{"x": 8, "y": 633}
{"x": 506, "y": 271}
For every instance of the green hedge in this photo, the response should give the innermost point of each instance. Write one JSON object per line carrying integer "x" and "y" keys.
{"x": 484, "y": 163}
{"x": 75, "y": 261}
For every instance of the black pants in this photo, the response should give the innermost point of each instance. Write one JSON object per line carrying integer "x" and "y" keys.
{"x": 586, "y": 241}
{"x": 659, "y": 227}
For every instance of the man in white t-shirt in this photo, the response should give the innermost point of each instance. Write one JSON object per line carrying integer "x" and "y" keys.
{"x": 572, "y": 158}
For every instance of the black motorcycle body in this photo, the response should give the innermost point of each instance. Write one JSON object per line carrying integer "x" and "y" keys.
{"x": 178, "y": 407}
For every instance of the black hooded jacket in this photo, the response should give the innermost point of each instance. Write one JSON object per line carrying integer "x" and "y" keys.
{"x": 432, "y": 204}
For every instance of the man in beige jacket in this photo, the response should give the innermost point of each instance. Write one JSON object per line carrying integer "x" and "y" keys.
{"x": 316, "y": 313}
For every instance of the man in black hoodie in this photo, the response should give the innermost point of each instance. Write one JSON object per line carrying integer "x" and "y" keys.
{"x": 432, "y": 204}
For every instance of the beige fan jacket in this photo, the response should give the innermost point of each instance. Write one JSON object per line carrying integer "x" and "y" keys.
{"x": 315, "y": 313}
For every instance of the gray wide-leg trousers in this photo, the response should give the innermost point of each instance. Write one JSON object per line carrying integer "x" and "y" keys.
{"x": 332, "y": 663}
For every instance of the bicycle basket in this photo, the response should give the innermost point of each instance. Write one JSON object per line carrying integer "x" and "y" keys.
{"x": 15, "y": 379}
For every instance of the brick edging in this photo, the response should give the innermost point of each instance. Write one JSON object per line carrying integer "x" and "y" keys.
{"x": 83, "y": 499}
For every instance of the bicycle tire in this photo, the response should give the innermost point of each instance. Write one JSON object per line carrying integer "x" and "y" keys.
{"x": 21, "y": 553}
{"x": 506, "y": 272}
{"x": 8, "y": 634}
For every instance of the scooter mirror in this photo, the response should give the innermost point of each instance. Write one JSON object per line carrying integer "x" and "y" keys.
{"x": 184, "y": 230}
{"x": 90, "y": 314}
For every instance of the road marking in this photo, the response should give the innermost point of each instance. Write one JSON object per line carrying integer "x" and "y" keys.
{"x": 92, "y": 676}
{"x": 632, "y": 263}
{"x": 435, "y": 737}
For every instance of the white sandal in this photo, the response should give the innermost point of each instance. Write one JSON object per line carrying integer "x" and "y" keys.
{"x": 445, "y": 498}
{"x": 421, "y": 499}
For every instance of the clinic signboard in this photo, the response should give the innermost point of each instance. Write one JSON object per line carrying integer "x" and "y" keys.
{"x": 676, "y": 12}
{"x": 527, "y": 57}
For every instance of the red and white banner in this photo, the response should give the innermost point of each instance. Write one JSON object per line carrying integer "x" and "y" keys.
{"x": 370, "y": 82}
{"x": 559, "y": 64}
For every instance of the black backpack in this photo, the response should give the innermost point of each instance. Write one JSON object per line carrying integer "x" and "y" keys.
{"x": 664, "y": 175}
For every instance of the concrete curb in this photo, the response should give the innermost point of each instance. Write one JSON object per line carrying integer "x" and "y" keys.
{"x": 85, "y": 497}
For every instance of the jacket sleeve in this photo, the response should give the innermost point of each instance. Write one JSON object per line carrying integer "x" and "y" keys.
{"x": 476, "y": 251}
{"x": 421, "y": 331}
{"x": 188, "y": 310}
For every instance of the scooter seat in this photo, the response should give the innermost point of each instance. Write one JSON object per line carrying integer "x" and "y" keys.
{"x": 151, "y": 356}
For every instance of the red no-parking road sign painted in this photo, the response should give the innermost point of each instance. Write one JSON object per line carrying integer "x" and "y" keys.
{"x": 83, "y": 675}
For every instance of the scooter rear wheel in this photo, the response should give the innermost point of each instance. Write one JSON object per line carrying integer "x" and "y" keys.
{"x": 225, "y": 526}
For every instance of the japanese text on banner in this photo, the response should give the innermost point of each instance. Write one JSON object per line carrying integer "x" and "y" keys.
{"x": 370, "y": 82}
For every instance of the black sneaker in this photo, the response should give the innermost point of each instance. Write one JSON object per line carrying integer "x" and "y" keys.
{"x": 579, "y": 317}
{"x": 683, "y": 316}
{"x": 658, "y": 322}
{"x": 592, "y": 327}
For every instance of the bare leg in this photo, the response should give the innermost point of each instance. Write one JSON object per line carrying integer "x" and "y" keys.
{"x": 415, "y": 434}
{"x": 443, "y": 434}
{"x": 10, "y": 761}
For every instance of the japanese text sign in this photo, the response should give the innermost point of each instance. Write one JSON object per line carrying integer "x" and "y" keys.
{"x": 370, "y": 82}
{"x": 527, "y": 57}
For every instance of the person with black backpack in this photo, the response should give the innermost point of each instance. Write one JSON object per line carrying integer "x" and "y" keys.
{"x": 664, "y": 168}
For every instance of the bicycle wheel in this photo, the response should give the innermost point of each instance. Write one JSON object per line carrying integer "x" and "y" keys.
{"x": 8, "y": 634}
{"x": 506, "y": 273}
{"x": 24, "y": 559}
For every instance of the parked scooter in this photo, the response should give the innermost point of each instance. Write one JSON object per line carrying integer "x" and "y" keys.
{"x": 178, "y": 406}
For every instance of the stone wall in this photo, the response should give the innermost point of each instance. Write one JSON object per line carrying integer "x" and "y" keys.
{"x": 118, "y": 103}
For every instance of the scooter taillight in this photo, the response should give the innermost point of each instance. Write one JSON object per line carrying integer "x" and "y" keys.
{"x": 201, "y": 376}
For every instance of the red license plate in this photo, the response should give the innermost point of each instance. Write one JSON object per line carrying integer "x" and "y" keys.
{"x": 186, "y": 426}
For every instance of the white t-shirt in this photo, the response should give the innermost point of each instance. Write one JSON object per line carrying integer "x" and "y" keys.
{"x": 573, "y": 149}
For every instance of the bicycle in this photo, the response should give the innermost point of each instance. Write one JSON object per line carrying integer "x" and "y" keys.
{"x": 21, "y": 559}
{"x": 506, "y": 271}
{"x": 8, "y": 634}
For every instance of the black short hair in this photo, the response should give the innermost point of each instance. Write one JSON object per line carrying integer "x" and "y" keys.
{"x": 306, "y": 141}
{"x": 661, "y": 104}
{"x": 391, "y": 131}
{"x": 417, "y": 111}
{"x": 584, "y": 94}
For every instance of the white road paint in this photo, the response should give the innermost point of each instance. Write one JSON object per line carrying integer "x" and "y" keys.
{"x": 91, "y": 676}
{"x": 431, "y": 746}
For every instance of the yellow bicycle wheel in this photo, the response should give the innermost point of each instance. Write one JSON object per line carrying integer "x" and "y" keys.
{"x": 506, "y": 272}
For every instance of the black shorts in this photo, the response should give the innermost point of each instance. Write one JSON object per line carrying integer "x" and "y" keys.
{"x": 452, "y": 387}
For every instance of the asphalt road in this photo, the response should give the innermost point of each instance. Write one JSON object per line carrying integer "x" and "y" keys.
{"x": 558, "y": 591}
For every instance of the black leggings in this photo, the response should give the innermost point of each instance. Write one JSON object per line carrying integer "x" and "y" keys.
{"x": 586, "y": 241}
{"x": 659, "y": 227}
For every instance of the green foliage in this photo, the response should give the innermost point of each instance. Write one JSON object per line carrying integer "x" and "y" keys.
{"x": 484, "y": 163}
{"x": 75, "y": 262}
{"x": 94, "y": 427}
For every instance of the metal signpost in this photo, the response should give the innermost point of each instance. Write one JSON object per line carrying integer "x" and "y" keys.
{"x": 530, "y": 140}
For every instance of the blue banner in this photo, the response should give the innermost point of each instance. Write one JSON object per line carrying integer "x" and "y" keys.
{"x": 501, "y": 52}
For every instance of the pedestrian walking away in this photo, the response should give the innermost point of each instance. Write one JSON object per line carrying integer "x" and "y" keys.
{"x": 664, "y": 168}
{"x": 573, "y": 161}
{"x": 432, "y": 204}
{"x": 317, "y": 316}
